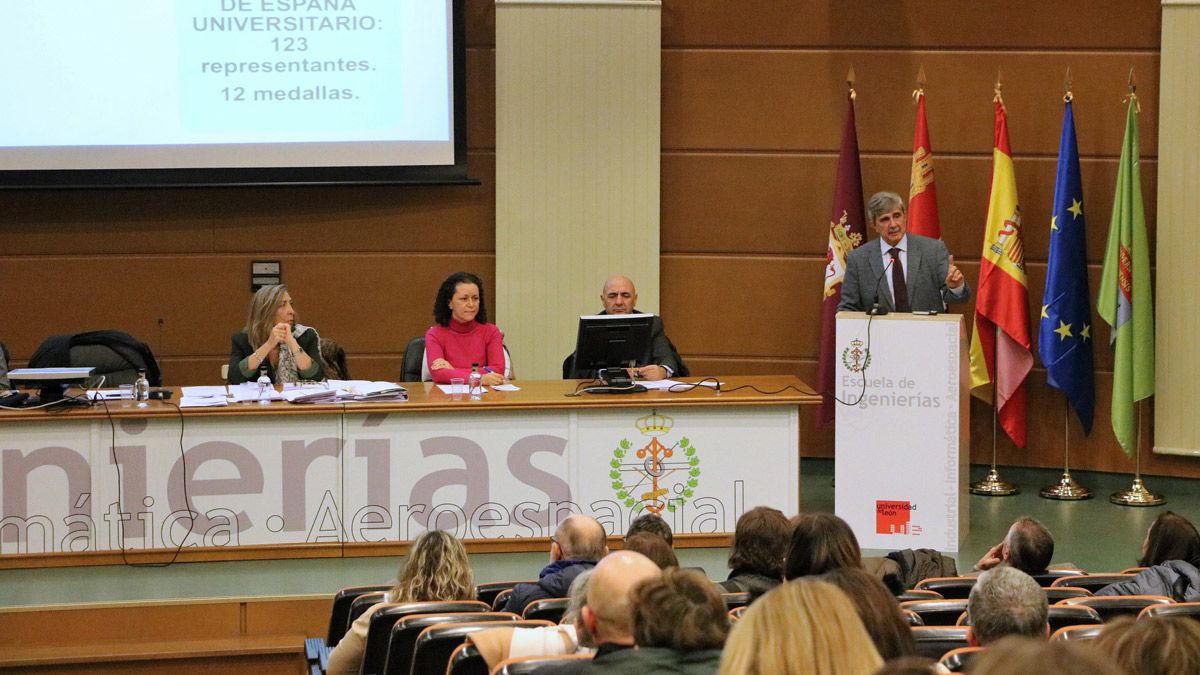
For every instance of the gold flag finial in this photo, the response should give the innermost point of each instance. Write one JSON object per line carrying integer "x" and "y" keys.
{"x": 997, "y": 88}
{"x": 850, "y": 83}
{"x": 1132, "y": 95}
{"x": 1068, "y": 95}
{"x": 920, "y": 90}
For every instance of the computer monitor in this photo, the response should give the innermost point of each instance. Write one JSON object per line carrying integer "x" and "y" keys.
{"x": 612, "y": 341}
{"x": 52, "y": 383}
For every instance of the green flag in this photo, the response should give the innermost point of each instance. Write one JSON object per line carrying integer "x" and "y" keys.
{"x": 1124, "y": 300}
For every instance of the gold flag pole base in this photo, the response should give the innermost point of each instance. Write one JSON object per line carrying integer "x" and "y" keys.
{"x": 1066, "y": 489}
{"x": 993, "y": 485}
{"x": 1137, "y": 495}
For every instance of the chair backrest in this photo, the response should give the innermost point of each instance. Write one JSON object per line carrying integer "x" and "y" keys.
{"x": 114, "y": 354}
{"x": 736, "y": 613}
{"x": 1050, "y": 576}
{"x": 466, "y": 660}
{"x": 1092, "y": 582}
{"x": 913, "y": 594}
{"x": 1110, "y": 606}
{"x": 1132, "y": 570}
{"x": 933, "y": 641}
{"x": 1077, "y": 633}
{"x": 413, "y": 364}
{"x": 1072, "y": 615}
{"x": 733, "y": 600}
{"x": 361, "y": 604}
{"x": 501, "y": 599}
{"x": 434, "y": 646}
{"x": 912, "y": 618}
{"x": 379, "y": 632}
{"x": 937, "y": 612}
{"x": 956, "y": 660}
{"x": 487, "y": 592}
{"x": 548, "y": 609}
{"x": 948, "y": 587}
{"x": 527, "y": 665}
{"x": 399, "y": 656}
{"x": 1056, "y": 593}
{"x": 1188, "y": 609}
{"x": 339, "y": 615}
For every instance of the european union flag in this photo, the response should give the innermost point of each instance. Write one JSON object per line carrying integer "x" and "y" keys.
{"x": 1065, "y": 332}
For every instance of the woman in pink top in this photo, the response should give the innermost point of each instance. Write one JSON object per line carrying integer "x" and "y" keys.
{"x": 463, "y": 335}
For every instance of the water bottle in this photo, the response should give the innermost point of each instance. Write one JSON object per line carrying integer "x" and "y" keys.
{"x": 141, "y": 389}
{"x": 475, "y": 383}
{"x": 264, "y": 383}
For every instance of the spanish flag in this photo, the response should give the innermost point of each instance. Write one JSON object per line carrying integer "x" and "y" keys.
{"x": 1001, "y": 350}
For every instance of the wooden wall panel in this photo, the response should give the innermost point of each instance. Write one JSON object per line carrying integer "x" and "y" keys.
{"x": 903, "y": 24}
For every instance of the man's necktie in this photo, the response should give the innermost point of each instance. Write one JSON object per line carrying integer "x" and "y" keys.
{"x": 899, "y": 288}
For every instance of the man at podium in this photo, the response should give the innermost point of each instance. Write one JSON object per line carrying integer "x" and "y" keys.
{"x": 899, "y": 272}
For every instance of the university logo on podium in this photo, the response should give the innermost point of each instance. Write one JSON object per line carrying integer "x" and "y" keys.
{"x": 656, "y": 476}
{"x": 856, "y": 358}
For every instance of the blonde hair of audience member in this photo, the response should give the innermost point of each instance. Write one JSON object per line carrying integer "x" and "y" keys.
{"x": 1019, "y": 655}
{"x": 261, "y": 317}
{"x": 1159, "y": 646}
{"x": 680, "y": 610}
{"x": 653, "y": 547}
{"x": 437, "y": 569}
{"x": 608, "y": 615}
{"x": 878, "y": 609}
{"x": 804, "y": 626}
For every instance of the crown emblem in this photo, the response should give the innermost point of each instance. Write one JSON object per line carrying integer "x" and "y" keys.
{"x": 654, "y": 424}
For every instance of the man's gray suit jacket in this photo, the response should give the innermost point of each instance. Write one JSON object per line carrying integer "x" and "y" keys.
{"x": 928, "y": 265}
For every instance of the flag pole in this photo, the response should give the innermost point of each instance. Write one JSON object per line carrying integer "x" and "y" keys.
{"x": 1066, "y": 489}
{"x": 992, "y": 484}
{"x": 1137, "y": 494}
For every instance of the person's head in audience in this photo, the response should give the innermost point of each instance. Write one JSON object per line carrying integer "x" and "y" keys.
{"x": 335, "y": 360}
{"x": 618, "y": 295}
{"x": 909, "y": 665}
{"x": 878, "y": 609}
{"x": 653, "y": 547}
{"x": 576, "y": 601}
{"x": 461, "y": 298}
{"x": 1171, "y": 537}
{"x": 1158, "y": 646}
{"x": 680, "y": 610}
{"x": 1006, "y": 601}
{"x": 1028, "y": 546}
{"x": 608, "y": 615}
{"x": 805, "y": 626}
{"x": 648, "y": 522}
{"x": 270, "y": 306}
{"x": 820, "y": 543}
{"x": 760, "y": 540}
{"x": 579, "y": 537}
{"x": 436, "y": 569}
{"x": 1017, "y": 655}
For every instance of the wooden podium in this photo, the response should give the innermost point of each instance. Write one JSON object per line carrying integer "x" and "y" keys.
{"x": 902, "y": 450}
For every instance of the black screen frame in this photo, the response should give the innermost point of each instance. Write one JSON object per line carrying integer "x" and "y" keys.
{"x": 599, "y": 335}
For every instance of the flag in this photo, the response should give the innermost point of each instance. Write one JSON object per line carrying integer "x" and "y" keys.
{"x": 1000, "y": 345}
{"x": 922, "y": 191}
{"x": 1065, "y": 331}
{"x": 847, "y": 229}
{"x": 1124, "y": 300}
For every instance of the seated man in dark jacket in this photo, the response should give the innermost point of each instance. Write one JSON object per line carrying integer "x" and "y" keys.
{"x": 577, "y": 544}
{"x": 619, "y": 297}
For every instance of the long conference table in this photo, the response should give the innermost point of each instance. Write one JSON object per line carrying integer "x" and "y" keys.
{"x": 111, "y": 484}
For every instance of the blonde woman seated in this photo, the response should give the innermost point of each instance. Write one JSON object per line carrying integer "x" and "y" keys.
{"x": 804, "y": 626}
{"x": 272, "y": 339}
{"x": 436, "y": 569}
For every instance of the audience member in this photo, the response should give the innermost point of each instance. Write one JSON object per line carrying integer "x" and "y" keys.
{"x": 878, "y": 609}
{"x": 1006, "y": 601}
{"x": 436, "y": 569}
{"x": 760, "y": 541}
{"x": 498, "y": 644}
{"x": 1160, "y": 646}
{"x": 1171, "y": 555}
{"x": 805, "y": 627}
{"x": 575, "y": 547}
{"x": 1028, "y": 546}
{"x": 820, "y": 543}
{"x": 654, "y": 524}
{"x": 1016, "y": 655}
{"x": 653, "y": 547}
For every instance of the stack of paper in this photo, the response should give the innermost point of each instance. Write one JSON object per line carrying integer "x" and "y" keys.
{"x": 366, "y": 390}
{"x": 204, "y": 397}
{"x": 250, "y": 391}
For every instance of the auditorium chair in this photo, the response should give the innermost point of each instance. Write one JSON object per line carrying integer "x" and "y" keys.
{"x": 1133, "y": 570}
{"x": 913, "y": 594}
{"x": 530, "y": 665}
{"x": 1050, "y": 576}
{"x": 1188, "y": 609}
{"x": 435, "y": 645}
{"x": 339, "y": 615}
{"x": 912, "y": 618}
{"x": 948, "y": 587}
{"x": 398, "y": 656}
{"x": 1056, "y": 593}
{"x": 466, "y": 660}
{"x": 735, "y": 600}
{"x": 501, "y": 599}
{"x": 1077, "y": 633}
{"x": 361, "y": 604}
{"x": 956, "y": 660}
{"x": 379, "y": 632}
{"x": 937, "y": 612}
{"x": 113, "y": 354}
{"x": 933, "y": 641}
{"x": 1111, "y": 606}
{"x": 487, "y": 592}
{"x": 547, "y": 609}
{"x": 1092, "y": 582}
{"x": 736, "y": 613}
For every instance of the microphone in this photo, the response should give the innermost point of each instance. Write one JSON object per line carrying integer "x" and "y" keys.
{"x": 878, "y": 309}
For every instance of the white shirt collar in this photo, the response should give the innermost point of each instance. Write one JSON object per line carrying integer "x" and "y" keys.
{"x": 902, "y": 244}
